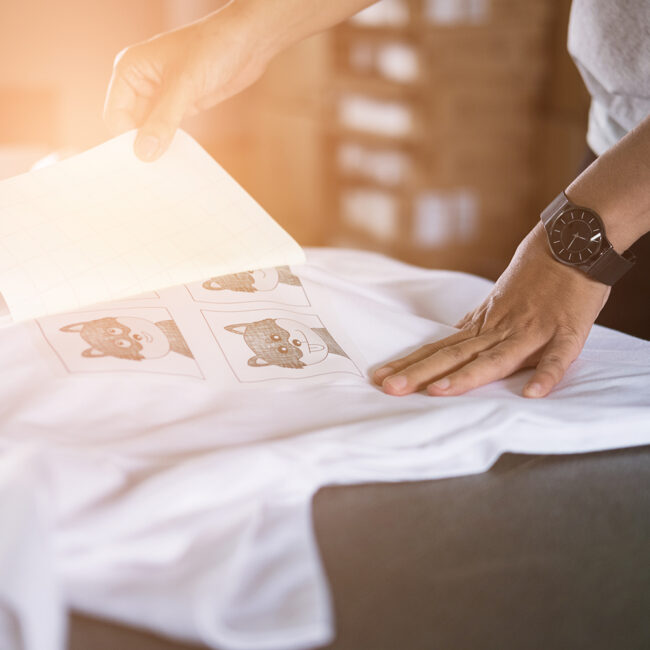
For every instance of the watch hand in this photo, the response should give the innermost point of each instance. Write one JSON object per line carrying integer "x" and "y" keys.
{"x": 571, "y": 243}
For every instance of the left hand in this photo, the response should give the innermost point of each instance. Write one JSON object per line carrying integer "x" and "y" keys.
{"x": 155, "y": 84}
{"x": 538, "y": 314}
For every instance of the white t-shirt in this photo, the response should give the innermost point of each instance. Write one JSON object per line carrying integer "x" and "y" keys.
{"x": 176, "y": 474}
{"x": 610, "y": 44}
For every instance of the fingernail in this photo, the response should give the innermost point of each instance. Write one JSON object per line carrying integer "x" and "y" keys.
{"x": 533, "y": 390}
{"x": 382, "y": 373}
{"x": 442, "y": 384}
{"x": 397, "y": 383}
{"x": 146, "y": 147}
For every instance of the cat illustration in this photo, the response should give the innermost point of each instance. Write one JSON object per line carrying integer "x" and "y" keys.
{"x": 131, "y": 338}
{"x": 252, "y": 281}
{"x": 286, "y": 343}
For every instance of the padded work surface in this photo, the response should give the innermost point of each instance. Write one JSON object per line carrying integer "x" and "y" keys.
{"x": 539, "y": 552}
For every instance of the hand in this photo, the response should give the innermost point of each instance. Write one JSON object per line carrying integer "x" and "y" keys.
{"x": 539, "y": 313}
{"x": 158, "y": 82}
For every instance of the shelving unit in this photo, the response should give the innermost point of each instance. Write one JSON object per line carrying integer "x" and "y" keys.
{"x": 433, "y": 125}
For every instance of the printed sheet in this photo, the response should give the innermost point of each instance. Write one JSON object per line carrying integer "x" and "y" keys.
{"x": 104, "y": 226}
{"x": 236, "y": 330}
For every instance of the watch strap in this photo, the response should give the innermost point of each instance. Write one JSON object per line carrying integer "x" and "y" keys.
{"x": 610, "y": 267}
{"x": 554, "y": 207}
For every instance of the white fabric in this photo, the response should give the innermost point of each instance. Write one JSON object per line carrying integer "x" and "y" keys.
{"x": 31, "y": 613}
{"x": 183, "y": 506}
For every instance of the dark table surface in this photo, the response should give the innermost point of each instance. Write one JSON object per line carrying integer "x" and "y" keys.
{"x": 540, "y": 552}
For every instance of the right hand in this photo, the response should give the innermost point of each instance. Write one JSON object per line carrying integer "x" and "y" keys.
{"x": 538, "y": 314}
{"x": 158, "y": 82}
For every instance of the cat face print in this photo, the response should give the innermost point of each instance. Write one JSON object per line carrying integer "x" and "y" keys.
{"x": 125, "y": 337}
{"x": 283, "y": 342}
{"x": 253, "y": 281}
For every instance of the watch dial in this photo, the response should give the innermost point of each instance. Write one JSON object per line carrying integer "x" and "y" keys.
{"x": 576, "y": 236}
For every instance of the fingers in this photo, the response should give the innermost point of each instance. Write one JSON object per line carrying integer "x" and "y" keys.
{"x": 128, "y": 93}
{"x": 557, "y": 357}
{"x": 475, "y": 361}
{"x": 138, "y": 96}
{"x": 119, "y": 107}
{"x": 157, "y": 132}
{"x": 439, "y": 364}
{"x": 489, "y": 365}
{"x": 421, "y": 353}
{"x": 465, "y": 320}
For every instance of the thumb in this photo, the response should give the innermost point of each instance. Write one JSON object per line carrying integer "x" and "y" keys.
{"x": 157, "y": 131}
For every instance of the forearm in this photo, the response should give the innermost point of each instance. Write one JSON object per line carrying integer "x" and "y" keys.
{"x": 274, "y": 25}
{"x": 617, "y": 186}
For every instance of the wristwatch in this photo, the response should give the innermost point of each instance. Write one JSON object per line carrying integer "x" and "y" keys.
{"x": 577, "y": 238}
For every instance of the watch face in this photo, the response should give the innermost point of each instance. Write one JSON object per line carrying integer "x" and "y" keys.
{"x": 576, "y": 236}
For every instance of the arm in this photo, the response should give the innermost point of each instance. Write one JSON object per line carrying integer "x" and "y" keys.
{"x": 539, "y": 312}
{"x": 617, "y": 186}
{"x": 158, "y": 82}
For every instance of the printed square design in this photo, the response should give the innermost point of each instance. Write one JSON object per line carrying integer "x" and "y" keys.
{"x": 273, "y": 285}
{"x": 142, "y": 339}
{"x": 265, "y": 344}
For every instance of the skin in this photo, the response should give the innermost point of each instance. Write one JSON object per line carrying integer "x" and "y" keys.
{"x": 156, "y": 83}
{"x": 539, "y": 312}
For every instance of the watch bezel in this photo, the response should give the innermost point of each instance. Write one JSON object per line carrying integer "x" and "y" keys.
{"x": 570, "y": 210}
{"x": 605, "y": 265}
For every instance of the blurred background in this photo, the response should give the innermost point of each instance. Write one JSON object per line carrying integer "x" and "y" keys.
{"x": 431, "y": 130}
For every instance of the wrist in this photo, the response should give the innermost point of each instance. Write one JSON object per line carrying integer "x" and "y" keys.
{"x": 616, "y": 186}
{"x": 537, "y": 247}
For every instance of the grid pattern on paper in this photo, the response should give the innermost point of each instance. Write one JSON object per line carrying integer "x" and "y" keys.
{"x": 103, "y": 226}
